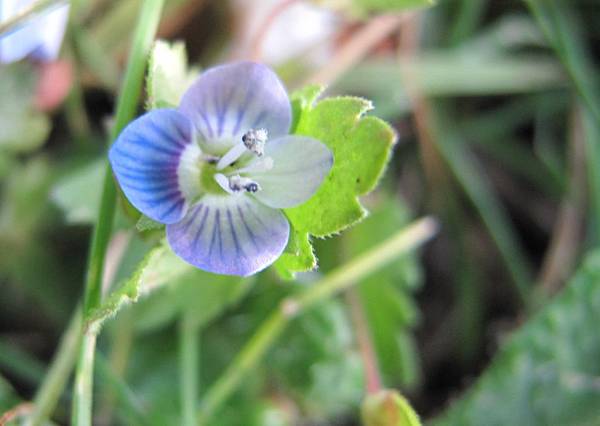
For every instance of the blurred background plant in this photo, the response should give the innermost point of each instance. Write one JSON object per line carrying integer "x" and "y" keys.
{"x": 497, "y": 108}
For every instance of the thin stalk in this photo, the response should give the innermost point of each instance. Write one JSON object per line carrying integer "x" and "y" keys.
{"x": 56, "y": 379}
{"x": 188, "y": 368}
{"x": 126, "y": 106}
{"x": 469, "y": 15}
{"x": 132, "y": 406}
{"x": 20, "y": 363}
{"x": 337, "y": 280}
{"x": 22, "y": 16}
{"x": 76, "y": 115}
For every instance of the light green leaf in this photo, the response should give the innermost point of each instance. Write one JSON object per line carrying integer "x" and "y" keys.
{"x": 548, "y": 372}
{"x": 365, "y": 7}
{"x": 388, "y": 408}
{"x": 23, "y": 202}
{"x": 361, "y": 148}
{"x": 22, "y": 129}
{"x": 168, "y": 75}
{"x": 159, "y": 267}
{"x": 201, "y": 295}
{"x": 73, "y": 195}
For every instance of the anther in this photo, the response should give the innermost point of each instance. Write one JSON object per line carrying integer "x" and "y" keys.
{"x": 254, "y": 140}
{"x": 238, "y": 183}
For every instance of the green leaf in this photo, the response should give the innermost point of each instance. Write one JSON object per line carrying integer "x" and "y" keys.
{"x": 320, "y": 367}
{"x": 361, "y": 149}
{"x": 23, "y": 203}
{"x": 168, "y": 75}
{"x": 388, "y": 408}
{"x": 365, "y": 7}
{"x": 73, "y": 195}
{"x": 202, "y": 295}
{"x": 159, "y": 267}
{"x": 22, "y": 129}
{"x": 547, "y": 373}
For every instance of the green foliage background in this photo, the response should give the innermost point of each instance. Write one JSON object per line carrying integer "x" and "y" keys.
{"x": 492, "y": 112}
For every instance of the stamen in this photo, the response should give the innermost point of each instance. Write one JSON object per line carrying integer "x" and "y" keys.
{"x": 263, "y": 165}
{"x": 210, "y": 159}
{"x": 255, "y": 140}
{"x": 232, "y": 155}
{"x": 237, "y": 183}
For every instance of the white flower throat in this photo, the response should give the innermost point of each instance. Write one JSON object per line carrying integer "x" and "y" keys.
{"x": 253, "y": 141}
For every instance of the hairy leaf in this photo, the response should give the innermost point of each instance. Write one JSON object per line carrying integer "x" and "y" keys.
{"x": 168, "y": 75}
{"x": 158, "y": 268}
{"x": 361, "y": 148}
{"x": 548, "y": 372}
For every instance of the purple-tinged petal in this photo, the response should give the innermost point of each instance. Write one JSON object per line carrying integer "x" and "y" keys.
{"x": 300, "y": 164}
{"x": 227, "y": 101}
{"x": 40, "y": 38}
{"x": 153, "y": 159}
{"x": 230, "y": 235}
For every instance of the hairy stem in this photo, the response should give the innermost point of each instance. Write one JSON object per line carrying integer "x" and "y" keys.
{"x": 337, "y": 280}
{"x": 126, "y": 106}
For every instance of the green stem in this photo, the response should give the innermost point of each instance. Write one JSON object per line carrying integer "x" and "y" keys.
{"x": 126, "y": 107}
{"x": 84, "y": 377}
{"x": 28, "y": 12}
{"x": 56, "y": 379}
{"x": 132, "y": 406}
{"x": 188, "y": 368}
{"x": 339, "y": 279}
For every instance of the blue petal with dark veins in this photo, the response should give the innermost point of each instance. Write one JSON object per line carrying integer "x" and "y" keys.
{"x": 231, "y": 235}
{"x": 228, "y": 100}
{"x": 145, "y": 160}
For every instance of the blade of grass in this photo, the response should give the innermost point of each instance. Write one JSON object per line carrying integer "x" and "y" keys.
{"x": 562, "y": 30}
{"x": 467, "y": 172}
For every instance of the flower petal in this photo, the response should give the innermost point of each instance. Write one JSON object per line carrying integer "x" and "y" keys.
{"x": 231, "y": 235}
{"x": 227, "y": 101}
{"x": 39, "y": 38}
{"x": 153, "y": 159}
{"x": 300, "y": 164}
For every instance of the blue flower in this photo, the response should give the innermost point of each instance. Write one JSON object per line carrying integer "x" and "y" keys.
{"x": 39, "y": 38}
{"x": 218, "y": 169}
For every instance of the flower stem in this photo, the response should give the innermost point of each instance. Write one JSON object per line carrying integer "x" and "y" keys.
{"x": 339, "y": 279}
{"x": 126, "y": 106}
{"x": 188, "y": 368}
{"x": 54, "y": 383}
